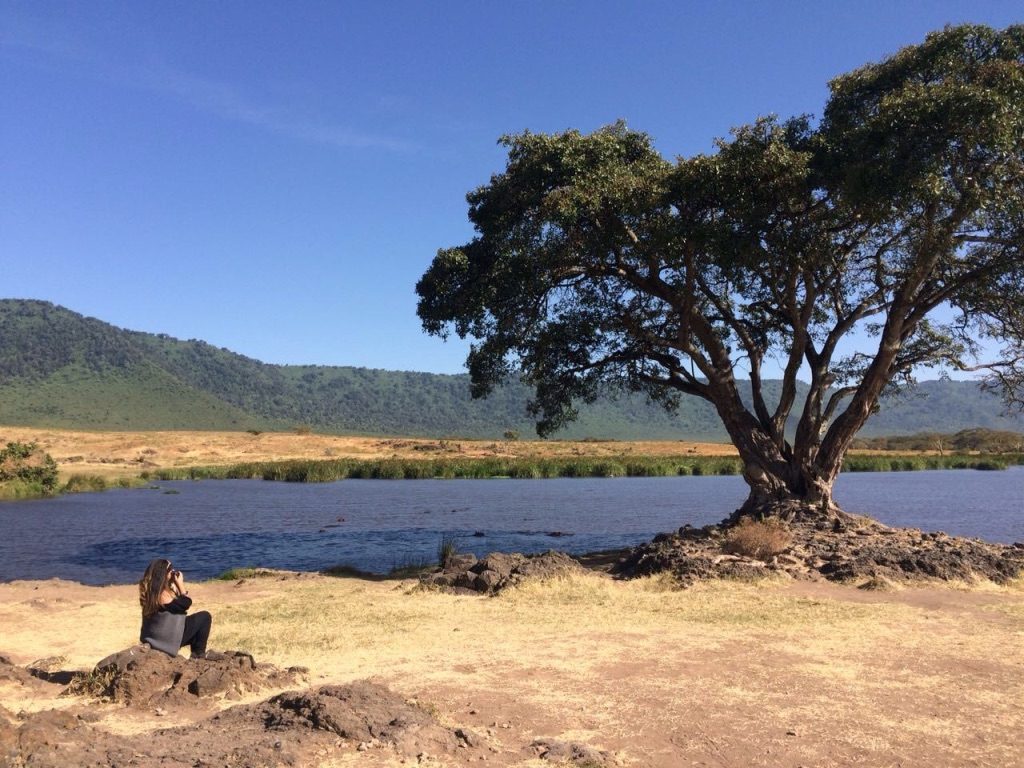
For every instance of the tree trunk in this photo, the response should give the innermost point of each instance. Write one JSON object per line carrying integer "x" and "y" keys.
{"x": 800, "y": 492}
{"x": 792, "y": 483}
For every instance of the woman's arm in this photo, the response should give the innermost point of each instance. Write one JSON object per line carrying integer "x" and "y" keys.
{"x": 175, "y": 592}
{"x": 178, "y": 583}
{"x": 180, "y": 604}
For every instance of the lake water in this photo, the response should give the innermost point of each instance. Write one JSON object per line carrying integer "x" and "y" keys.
{"x": 208, "y": 527}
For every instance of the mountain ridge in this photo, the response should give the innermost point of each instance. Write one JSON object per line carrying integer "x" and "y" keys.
{"x": 61, "y": 369}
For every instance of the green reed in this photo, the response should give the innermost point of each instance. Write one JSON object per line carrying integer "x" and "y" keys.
{"x": 329, "y": 470}
{"x": 909, "y": 463}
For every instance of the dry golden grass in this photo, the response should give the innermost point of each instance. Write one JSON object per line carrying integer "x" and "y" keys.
{"x": 122, "y": 454}
{"x": 761, "y": 539}
{"x": 718, "y": 673}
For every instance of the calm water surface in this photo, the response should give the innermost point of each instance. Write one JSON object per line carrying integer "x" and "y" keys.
{"x": 208, "y": 527}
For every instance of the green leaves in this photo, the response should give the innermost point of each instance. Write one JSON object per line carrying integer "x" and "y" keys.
{"x": 598, "y": 262}
{"x": 930, "y": 123}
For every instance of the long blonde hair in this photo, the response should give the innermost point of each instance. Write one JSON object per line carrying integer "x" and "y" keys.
{"x": 152, "y": 585}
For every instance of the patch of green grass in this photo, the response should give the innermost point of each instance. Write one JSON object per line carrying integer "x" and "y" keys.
{"x": 344, "y": 571}
{"x": 897, "y": 463}
{"x": 13, "y": 490}
{"x": 234, "y": 574}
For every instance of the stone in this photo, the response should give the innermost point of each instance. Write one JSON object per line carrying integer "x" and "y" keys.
{"x": 499, "y": 562}
{"x": 470, "y": 738}
{"x": 461, "y": 562}
{"x": 487, "y": 581}
{"x": 466, "y": 580}
{"x": 571, "y": 752}
{"x": 498, "y": 571}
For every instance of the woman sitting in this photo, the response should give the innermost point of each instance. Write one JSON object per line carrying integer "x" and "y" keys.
{"x": 166, "y": 624}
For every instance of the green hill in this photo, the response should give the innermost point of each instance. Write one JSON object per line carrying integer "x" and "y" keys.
{"x": 61, "y": 369}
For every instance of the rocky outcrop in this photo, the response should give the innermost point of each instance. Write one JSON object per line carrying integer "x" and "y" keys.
{"x": 465, "y": 574}
{"x": 296, "y": 728}
{"x": 838, "y": 551}
{"x": 365, "y": 714}
{"x": 141, "y": 677}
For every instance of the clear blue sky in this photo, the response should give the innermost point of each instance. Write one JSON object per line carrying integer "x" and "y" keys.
{"x": 275, "y": 177}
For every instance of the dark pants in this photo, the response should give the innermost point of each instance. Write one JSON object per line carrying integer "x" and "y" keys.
{"x": 197, "y": 632}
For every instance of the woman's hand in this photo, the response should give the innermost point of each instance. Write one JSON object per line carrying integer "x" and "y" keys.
{"x": 178, "y": 582}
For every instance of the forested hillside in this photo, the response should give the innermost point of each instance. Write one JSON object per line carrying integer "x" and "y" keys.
{"x": 60, "y": 369}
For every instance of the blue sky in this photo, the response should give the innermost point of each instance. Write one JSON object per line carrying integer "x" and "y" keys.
{"x": 275, "y": 177}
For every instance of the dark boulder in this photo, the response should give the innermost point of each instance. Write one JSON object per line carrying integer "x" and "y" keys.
{"x": 142, "y": 677}
{"x": 500, "y": 570}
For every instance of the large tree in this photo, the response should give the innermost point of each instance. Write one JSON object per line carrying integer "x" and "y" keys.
{"x": 846, "y": 252}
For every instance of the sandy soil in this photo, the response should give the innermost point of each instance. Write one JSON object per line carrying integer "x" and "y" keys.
{"x": 723, "y": 674}
{"x": 122, "y": 454}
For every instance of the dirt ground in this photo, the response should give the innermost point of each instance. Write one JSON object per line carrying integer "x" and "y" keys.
{"x": 122, "y": 454}
{"x": 776, "y": 673}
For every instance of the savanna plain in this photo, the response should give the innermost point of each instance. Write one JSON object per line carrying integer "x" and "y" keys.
{"x": 124, "y": 454}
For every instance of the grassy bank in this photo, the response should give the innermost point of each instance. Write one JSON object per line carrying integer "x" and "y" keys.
{"x": 487, "y": 467}
{"x": 16, "y": 489}
{"x": 912, "y": 463}
{"x": 315, "y": 471}
{"x": 468, "y": 468}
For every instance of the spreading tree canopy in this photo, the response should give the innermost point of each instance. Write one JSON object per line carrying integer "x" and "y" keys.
{"x": 898, "y": 217}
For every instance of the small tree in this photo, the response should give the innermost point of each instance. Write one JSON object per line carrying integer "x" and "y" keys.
{"x": 899, "y": 215}
{"x": 26, "y": 463}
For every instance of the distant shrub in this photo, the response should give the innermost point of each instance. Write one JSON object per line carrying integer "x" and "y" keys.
{"x": 85, "y": 484}
{"x": 27, "y": 464}
{"x": 511, "y": 434}
{"x": 303, "y": 429}
{"x": 760, "y": 539}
